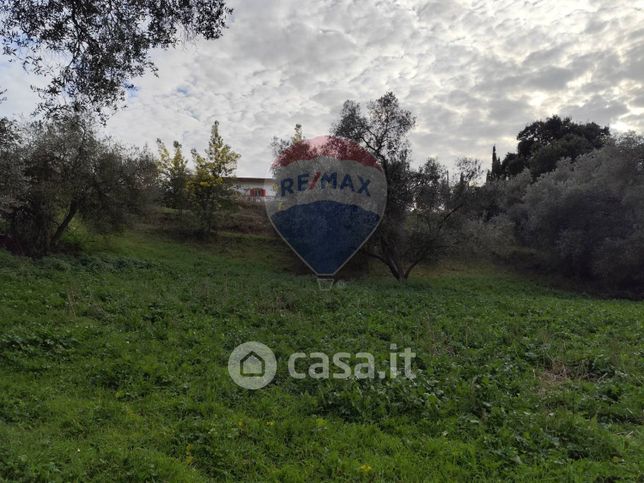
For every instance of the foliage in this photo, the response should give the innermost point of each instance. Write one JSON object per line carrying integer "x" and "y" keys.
{"x": 206, "y": 190}
{"x": 543, "y": 143}
{"x": 495, "y": 172}
{"x": 421, "y": 205}
{"x": 588, "y": 216}
{"x": 99, "y": 45}
{"x": 113, "y": 365}
{"x": 500, "y": 196}
{"x": 279, "y": 145}
{"x": 210, "y": 188}
{"x": 70, "y": 172}
{"x": 13, "y": 182}
{"x": 173, "y": 176}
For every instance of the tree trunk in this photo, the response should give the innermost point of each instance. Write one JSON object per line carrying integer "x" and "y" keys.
{"x": 390, "y": 258}
{"x": 73, "y": 209}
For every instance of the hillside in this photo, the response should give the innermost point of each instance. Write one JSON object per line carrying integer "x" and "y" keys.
{"x": 114, "y": 362}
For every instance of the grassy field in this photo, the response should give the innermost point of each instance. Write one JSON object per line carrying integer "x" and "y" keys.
{"x": 113, "y": 367}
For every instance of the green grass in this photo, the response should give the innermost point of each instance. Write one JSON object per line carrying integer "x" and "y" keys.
{"x": 113, "y": 367}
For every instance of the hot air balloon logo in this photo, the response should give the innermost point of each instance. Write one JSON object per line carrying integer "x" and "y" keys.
{"x": 330, "y": 197}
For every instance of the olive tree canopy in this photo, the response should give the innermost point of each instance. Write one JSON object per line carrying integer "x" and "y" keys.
{"x": 90, "y": 50}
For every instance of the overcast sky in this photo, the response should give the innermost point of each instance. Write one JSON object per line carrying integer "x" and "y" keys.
{"x": 473, "y": 72}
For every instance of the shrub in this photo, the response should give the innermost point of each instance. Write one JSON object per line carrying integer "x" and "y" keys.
{"x": 588, "y": 216}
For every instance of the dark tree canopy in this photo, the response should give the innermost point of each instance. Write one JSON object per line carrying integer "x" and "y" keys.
{"x": 542, "y": 143}
{"x": 92, "y": 49}
{"x": 383, "y": 130}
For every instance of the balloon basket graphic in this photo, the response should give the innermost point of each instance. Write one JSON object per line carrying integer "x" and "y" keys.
{"x": 325, "y": 283}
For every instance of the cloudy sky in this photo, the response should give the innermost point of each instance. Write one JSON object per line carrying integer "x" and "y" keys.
{"x": 474, "y": 72}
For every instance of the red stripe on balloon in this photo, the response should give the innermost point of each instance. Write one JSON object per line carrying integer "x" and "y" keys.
{"x": 331, "y": 146}
{"x": 315, "y": 180}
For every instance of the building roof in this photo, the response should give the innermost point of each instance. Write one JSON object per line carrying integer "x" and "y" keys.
{"x": 250, "y": 180}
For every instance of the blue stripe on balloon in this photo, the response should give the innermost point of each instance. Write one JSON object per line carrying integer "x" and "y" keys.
{"x": 325, "y": 233}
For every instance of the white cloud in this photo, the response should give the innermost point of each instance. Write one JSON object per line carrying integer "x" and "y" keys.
{"x": 474, "y": 72}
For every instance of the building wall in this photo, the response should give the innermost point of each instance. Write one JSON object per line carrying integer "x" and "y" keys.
{"x": 244, "y": 187}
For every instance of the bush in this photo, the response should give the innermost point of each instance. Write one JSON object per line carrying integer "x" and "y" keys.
{"x": 588, "y": 216}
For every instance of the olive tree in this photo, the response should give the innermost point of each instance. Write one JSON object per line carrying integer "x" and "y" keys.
{"x": 587, "y": 216}
{"x": 422, "y": 206}
{"x": 91, "y": 50}
{"x": 13, "y": 182}
{"x": 71, "y": 172}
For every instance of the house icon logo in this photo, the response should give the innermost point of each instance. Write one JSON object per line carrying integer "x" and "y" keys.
{"x": 252, "y": 365}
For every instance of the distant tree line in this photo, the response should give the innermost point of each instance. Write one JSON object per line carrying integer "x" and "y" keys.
{"x": 573, "y": 195}
{"x": 53, "y": 172}
{"x": 543, "y": 143}
{"x": 570, "y": 200}
{"x": 581, "y": 215}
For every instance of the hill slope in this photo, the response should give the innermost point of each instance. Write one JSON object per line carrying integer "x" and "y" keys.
{"x": 113, "y": 365}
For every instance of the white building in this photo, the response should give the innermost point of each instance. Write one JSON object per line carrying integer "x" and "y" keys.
{"x": 255, "y": 189}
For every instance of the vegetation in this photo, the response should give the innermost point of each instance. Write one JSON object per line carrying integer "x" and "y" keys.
{"x": 13, "y": 182}
{"x": 113, "y": 359}
{"x": 543, "y": 143}
{"x": 588, "y": 215}
{"x": 99, "y": 46}
{"x": 572, "y": 193}
{"x": 279, "y": 145}
{"x": 53, "y": 171}
{"x": 207, "y": 190}
{"x": 173, "y": 176}
{"x": 113, "y": 366}
{"x": 422, "y": 206}
{"x": 210, "y": 188}
{"x": 583, "y": 218}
